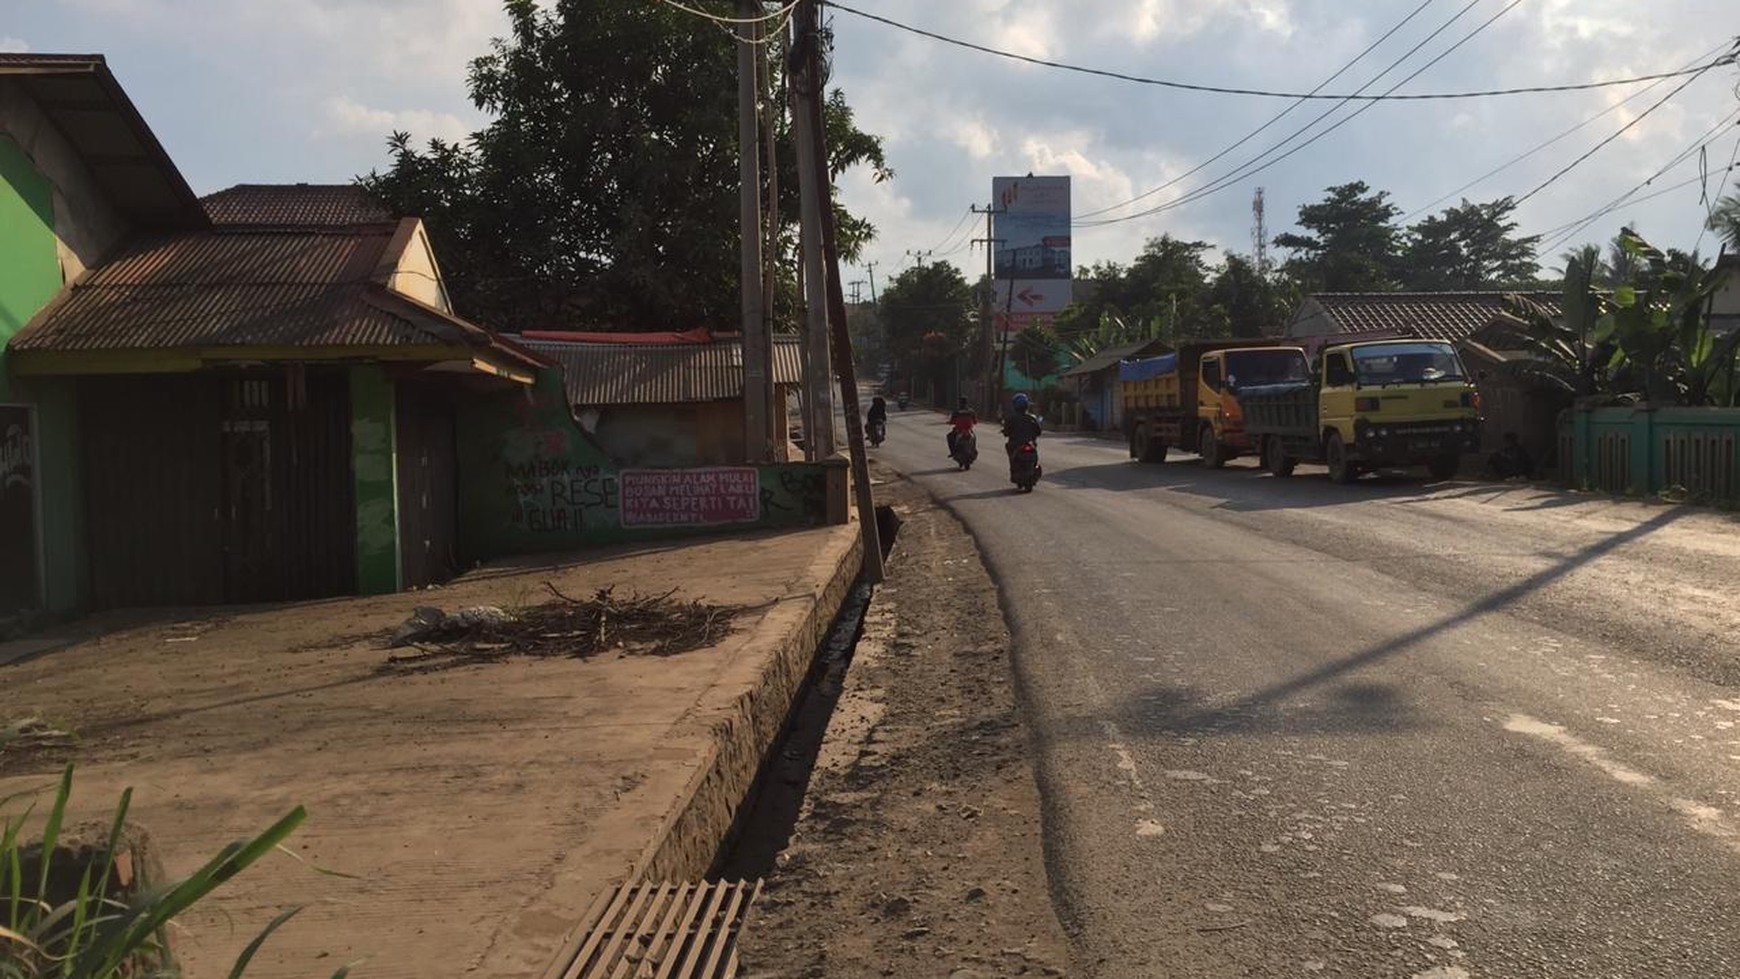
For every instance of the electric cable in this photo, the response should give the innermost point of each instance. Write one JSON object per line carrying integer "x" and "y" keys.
{"x": 1253, "y": 134}
{"x": 1265, "y": 93}
{"x": 1246, "y": 170}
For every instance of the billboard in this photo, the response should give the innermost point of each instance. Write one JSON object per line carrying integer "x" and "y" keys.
{"x": 1031, "y": 265}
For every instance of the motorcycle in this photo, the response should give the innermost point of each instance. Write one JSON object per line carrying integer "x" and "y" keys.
{"x": 1024, "y": 469}
{"x": 876, "y": 431}
{"x": 966, "y": 450}
{"x": 901, "y": 401}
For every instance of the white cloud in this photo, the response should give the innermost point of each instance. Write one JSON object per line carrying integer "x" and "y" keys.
{"x": 15, "y": 45}
{"x": 342, "y": 115}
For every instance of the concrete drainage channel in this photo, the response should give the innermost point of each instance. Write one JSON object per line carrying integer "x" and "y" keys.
{"x": 690, "y": 930}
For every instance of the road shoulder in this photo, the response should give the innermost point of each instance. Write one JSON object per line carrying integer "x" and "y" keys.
{"x": 919, "y": 848}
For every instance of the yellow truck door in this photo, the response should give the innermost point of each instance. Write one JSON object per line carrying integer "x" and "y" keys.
{"x": 1336, "y": 404}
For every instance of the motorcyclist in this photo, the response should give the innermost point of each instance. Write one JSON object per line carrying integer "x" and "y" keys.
{"x": 878, "y": 411}
{"x": 961, "y": 421}
{"x": 1021, "y": 427}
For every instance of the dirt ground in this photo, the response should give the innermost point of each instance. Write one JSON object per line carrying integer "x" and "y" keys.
{"x": 918, "y": 851}
{"x": 476, "y": 805}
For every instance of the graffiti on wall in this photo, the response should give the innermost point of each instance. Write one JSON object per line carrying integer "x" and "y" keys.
{"x": 690, "y": 497}
{"x": 795, "y": 490}
{"x": 553, "y": 496}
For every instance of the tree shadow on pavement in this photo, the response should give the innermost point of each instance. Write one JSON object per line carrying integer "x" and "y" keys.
{"x": 1242, "y": 488}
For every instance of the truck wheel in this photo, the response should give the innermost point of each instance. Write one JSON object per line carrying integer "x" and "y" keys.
{"x": 1213, "y": 457}
{"x": 1145, "y": 448}
{"x": 1444, "y": 467}
{"x": 1341, "y": 468}
{"x": 1275, "y": 458}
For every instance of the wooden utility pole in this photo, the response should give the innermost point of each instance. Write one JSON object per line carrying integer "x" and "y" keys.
{"x": 986, "y": 309}
{"x": 757, "y": 346}
{"x": 815, "y": 163}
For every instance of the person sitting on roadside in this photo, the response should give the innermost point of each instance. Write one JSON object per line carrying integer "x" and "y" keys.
{"x": 961, "y": 421}
{"x": 1512, "y": 461}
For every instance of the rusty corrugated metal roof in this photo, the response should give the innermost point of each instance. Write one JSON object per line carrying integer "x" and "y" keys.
{"x": 1450, "y": 316}
{"x": 85, "y": 103}
{"x": 235, "y": 288}
{"x": 295, "y": 205}
{"x": 614, "y": 373}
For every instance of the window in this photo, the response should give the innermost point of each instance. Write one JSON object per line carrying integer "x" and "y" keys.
{"x": 1407, "y": 363}
{"x": 1336, "y": 373}
{"x": 1211, "y": 373}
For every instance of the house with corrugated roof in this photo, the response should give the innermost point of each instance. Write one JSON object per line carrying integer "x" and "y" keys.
{"x": 1510, "y": 401}
{"x": 247, "y": 397}
{"x": 1095, "y": 381}
{"x": 667, "y": 399}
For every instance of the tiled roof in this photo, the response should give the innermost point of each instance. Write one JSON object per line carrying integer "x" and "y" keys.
{"x": 1110, "y": 356}
{"x": 615, "y": 373}
{"x": 241, "y": 288}
{"x": 1448, "y": 316}
{"x": 295, "y": 206}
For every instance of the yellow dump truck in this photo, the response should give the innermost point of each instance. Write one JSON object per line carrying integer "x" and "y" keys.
{"x": 1368, "y": 405}
{"x": 1187, "y": 400}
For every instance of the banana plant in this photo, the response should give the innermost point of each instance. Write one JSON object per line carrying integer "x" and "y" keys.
{"x": 1563, "y": 351}
{"x": 1660, "y": 328}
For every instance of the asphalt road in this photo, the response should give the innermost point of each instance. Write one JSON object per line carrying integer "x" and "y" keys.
{"x": 1413, "y": 729}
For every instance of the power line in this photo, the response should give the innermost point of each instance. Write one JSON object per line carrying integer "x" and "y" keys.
{"x": 1264, "y": 93}
{"x": 1559, "y": 235}
{"x": 1711, "y": 200}
{"x": 1513, "y": 161}
{"x": 1253, "y": 134}
{"x": 721, "y": 19}
{"x": 1246, "y": 170}
{"x": 1543, "y": 185}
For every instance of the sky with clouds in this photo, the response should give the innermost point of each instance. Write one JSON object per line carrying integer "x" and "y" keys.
{"x": 287, "y": 90}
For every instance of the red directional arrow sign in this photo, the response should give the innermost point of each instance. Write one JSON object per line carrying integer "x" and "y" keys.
{"x": 1031, "y": 298}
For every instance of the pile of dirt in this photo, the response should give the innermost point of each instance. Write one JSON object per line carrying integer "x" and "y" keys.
{"x": 638, "y": 625}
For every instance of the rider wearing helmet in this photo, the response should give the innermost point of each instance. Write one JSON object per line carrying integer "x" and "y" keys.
{"x": 1020, "y": 427}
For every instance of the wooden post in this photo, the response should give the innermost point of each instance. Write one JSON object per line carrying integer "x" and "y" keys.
{"x": 814, "y": 161}
{"x": 757, "y": 346}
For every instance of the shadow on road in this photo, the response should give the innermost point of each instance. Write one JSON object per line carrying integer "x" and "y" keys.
{"x": 1354, "y": 705}
{"x": 1243, "y": 488}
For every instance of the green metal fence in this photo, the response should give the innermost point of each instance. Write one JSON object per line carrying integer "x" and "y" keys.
{"x": 1642, "y": 450}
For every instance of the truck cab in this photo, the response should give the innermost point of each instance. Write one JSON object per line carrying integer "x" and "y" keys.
{"x": 1189, "y": 399}
{"x": 1377, "y": 404}
{"x": 1223, "y": 373}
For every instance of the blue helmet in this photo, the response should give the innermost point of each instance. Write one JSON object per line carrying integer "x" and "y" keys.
{"x": 1021, "y": 402}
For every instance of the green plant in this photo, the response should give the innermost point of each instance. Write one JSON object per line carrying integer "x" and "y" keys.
{"x": 1563, "y": 351}
{"x": 91, "y": 934}
{"x": 1659, "y": 324}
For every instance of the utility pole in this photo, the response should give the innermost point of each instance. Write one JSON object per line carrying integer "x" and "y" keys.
{"x": 818, "y": 380}
{"x": 918, "y": 257}
{"x": 857, "y": 291}
{"x": 871, "y": 268}
{"x": 816, "y": 165}
{"x": 757, "y": 346}
{"x": 986, "y": 314}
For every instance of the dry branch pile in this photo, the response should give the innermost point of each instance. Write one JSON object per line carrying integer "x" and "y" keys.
{"x": 656, "y": 625}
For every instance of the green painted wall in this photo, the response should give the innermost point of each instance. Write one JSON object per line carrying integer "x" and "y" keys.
{"x": 373, "y": 463}
{"x": 530, "y": 480}
{"x": 65, "y": 554}
{"x": 29, "y": 263}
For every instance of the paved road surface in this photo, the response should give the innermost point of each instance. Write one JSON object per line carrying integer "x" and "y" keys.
{"x": 1398, "y": 729}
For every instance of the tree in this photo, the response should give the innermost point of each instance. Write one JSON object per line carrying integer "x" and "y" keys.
{"x": 1352, "y": 244}
{"x": 1467, "y": 247}
{"x": 1251, "y": 305}
{"x": 1565, "y": 352}
{"x": 1725, "y": 219}
{"x": 926, "y": 314}
{"x": 1035, "y": 351}
{"x": 604, "y": 191}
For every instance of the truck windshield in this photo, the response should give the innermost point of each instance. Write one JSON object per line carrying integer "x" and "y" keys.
{"x": 1250, "y": 368}
{"x": 1407, "y": 363}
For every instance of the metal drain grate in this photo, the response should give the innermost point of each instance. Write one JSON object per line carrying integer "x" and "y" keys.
{"x": 664, "y": 931}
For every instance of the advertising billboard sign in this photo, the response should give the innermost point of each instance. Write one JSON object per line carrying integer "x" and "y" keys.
{"x": 1031, "y": 264}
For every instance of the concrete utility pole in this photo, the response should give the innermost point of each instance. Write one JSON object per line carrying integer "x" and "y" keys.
{"x": 816, "y": 165}
{"x": 757, "y": 346}
{"x": 986, "y": 314}
{"x": 857, "y": 291}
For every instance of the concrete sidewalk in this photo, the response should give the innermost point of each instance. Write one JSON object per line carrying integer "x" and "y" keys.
{"x": 480, "y": 808}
